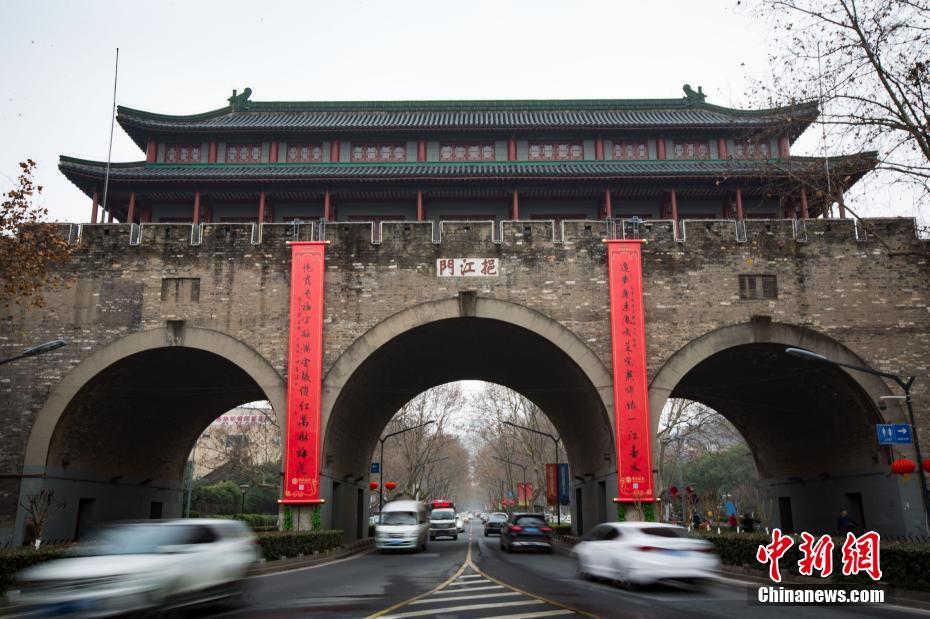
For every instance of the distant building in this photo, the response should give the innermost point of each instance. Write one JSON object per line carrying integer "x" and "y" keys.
{"x": 240, "y": 437}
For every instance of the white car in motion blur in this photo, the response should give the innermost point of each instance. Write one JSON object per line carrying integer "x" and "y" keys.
{"x": 645, "y": 552}
{"x": 139, "y": 566}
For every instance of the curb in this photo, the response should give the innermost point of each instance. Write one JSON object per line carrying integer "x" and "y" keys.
{"x": 293, "y": 563}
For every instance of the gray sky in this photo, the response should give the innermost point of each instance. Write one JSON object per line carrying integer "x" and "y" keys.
{"x": 186, "y": 57}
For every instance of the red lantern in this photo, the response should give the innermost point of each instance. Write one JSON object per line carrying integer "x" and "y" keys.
{"x": 390, "y": 485}
{"x": 673, "y": 490}
{"x": 927, "y": 464}
{"x": 373, "y": 485}
{"x": 903, "y": 467}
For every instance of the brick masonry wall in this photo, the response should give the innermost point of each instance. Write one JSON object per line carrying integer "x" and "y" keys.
{"x": 872, "y": 296}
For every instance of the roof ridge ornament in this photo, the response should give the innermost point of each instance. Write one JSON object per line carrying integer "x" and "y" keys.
{"x": 694, "y": 97}
{"x": 240, "y": 103}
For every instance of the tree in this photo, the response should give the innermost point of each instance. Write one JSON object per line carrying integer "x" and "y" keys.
{"x": 39, "y": 506}
{"x": 28, "y": 250}
{"x": 868, "y": 63}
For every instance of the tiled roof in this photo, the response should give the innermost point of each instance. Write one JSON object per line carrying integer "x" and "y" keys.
{"x": 400, "y": 116}
{"x": 78, "y": 170}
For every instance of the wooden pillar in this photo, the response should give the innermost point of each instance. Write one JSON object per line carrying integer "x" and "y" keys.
{"x": 95, "y": 203}
{"x": 327, "y": 207}
{"x": 784, "y": 147}
{"x": 211, "y": 153}
{"x": 273, "y": 152}
{"x": 840, "y": 203}
{"x": 261, "y": 207}
{"x": 660, "y": 148}
{"x": 421, "y": 150}
{"x": 196, "y": 208}
{"x": 109, "y": 215}
{"x": 131, "y": 210}
{"x": 673, "y": 199}
{"x": 151, "y": 151}
{"x": 805, "y": 213}
{"x": 599, "y": 148}
{"x": 739, "y": 204}
{"x": 721, "y": 148}
{"x": 608, "y": 207}
{"x": 421, "y": 212}
{"x": 146, "y": 213}
{"x": 334, "y": 151}
{"x": 515, "y": 206}
{"x": 512, "y": 150}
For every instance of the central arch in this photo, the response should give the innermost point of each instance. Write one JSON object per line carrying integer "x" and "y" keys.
{"x": 466, "y": 338}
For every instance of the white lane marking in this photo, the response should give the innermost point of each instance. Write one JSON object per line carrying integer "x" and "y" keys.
{"x": 457, "y": 591}
{"x": 542, "y": 613}
{"x": 432, "y": 600}
{"x": 452, "y": 609}
{"x": 313, "y": 567}
{"x": 466, "y": 583}
{"x": 470, "y": 576}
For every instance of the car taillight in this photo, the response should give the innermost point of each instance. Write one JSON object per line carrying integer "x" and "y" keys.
{"x": 711, "y": 549}
{"x": 647, "y": 548}
{"x": 546, "y": 530}
{"x": 516, "y": 528}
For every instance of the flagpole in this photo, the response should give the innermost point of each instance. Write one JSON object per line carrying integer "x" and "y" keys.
{"x": 106, "y": 178}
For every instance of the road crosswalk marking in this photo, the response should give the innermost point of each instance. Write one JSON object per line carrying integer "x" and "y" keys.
{"x": 447, "y": 599}
{"x": 480, "y": 596}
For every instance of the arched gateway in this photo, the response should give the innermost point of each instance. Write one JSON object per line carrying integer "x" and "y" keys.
{"x": 485, "y": 260}
{"x": 476, "y": 338}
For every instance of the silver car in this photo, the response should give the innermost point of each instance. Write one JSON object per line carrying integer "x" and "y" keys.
{"x": 139, "y": 566}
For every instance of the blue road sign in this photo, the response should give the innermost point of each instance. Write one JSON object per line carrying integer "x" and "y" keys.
{"x": 894, "y": 433}
{"x": 375, "y": 467}
{"x": 565, "y": 484}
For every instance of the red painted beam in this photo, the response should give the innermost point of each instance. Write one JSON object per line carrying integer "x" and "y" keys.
{"x": 739, "y": 204}
{"x": 273, "y": 152}
{"x": 211, "y": 153}
{"x": 151, "y": 151}
{"x": 512, "y": 150}
{"x": 334, "y": 151}
{"x": 721, "y": 148}
{"x": 95, "y": 203}
{"x": 131, "y": 211}
{"x": 599, "y": 148}
{"x": 421, "y": 150}
{"x": 660, "y": 148}
{"x": 196, "y": 217}
{"x": 515, "y": 206}
{"x": 805, "y": 212}
{"x": 421, "y": 212}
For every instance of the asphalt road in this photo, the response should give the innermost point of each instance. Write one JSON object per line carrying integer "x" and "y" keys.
{"x": 471, "y": 577}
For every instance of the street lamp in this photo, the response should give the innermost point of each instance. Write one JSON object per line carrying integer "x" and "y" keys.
{"x": 381, "y": 467}
{"x": 37, "y": 350}
{"x": 523, "y": 466}
{"x": 905, "y": 384}
{"x": 244, "y": 488}
{"x": 558, "y": 481}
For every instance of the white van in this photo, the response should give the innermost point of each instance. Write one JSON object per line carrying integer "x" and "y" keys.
{"x": 404, "y": 526}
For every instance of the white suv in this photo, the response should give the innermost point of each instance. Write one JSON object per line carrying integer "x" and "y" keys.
{"x": 138, "y": 566}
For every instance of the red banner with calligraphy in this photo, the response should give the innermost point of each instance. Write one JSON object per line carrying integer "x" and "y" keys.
{"x": 631, "y": 392}
{"x": 552, "y": 489}
{"x": 304, "y": 374}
